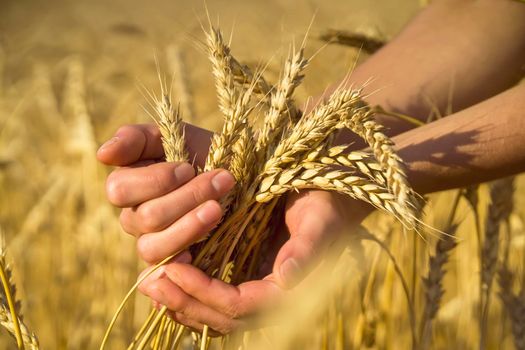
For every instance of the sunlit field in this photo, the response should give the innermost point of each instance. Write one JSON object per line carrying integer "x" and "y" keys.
{"x": 71, "y": 73}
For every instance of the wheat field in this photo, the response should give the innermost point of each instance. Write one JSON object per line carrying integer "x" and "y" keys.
{"x": 72, "y": 72}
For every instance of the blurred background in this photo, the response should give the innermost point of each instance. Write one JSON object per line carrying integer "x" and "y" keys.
{"x": 71, "y": 73}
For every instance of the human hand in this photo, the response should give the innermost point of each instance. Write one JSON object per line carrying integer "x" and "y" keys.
{"x": 161, "y": 209}
{"x": 313, "y": 220}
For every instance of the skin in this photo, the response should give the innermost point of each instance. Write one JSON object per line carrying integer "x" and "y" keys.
{"x": 167, "y": 207}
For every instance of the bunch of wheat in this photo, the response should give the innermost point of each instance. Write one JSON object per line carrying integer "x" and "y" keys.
{"x": 290, "y": 153}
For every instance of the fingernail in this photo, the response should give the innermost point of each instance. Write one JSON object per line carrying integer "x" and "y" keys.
{"x": 209, "y": 212}
{"x": 290, "y": 271}
{"x": 223, "y": 181}
{"x": 155, "y": 294}
{"x": 108, "y": 143}
{"x": 184, "y": 172}
{"x": 155, "y": 275}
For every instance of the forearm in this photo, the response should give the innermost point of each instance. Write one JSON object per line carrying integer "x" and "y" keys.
{"x": 457, "y": 52}
{"x": 478, "y": 144}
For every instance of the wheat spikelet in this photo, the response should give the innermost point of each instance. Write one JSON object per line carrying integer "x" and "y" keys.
{"x": 433, "y": 282}
{"x": 220, "y": 57}
{"x": 344, "y": 182}
{"x": 171, "y": 128}
{"x": 501, "y": 195}
{"x": 362, "y": 124}
{"x": 221, "y": 145}
{"x": 514, "y": 304}
{"x": 243, "y": 77}
{"x": 312, "y": 130}
{"x": 281, "y": 106}
{"x": 10, "y": 308}
{"x": 243, "y": 164}
{"x": 358, "y": 160}
{"x": 6, "y": 320}
{"x": 233, "y": 103}
{"x": 500, "y": 208}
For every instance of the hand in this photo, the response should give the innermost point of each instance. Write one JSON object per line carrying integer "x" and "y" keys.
{"x": 161, "y": 210}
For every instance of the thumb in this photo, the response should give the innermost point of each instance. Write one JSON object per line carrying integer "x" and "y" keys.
{"x": 299, "y": 254}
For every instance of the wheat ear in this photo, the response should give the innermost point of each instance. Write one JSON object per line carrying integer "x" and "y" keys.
{"x": 171, "y": 127}
{"x": 282, "y": 108}
{"x": 233, "y": 103}
{"x": 500, "y": 207}
{"x": 10, "y": 309}
{"x": 363, "y": 124}
{"x": 514, "y": 304}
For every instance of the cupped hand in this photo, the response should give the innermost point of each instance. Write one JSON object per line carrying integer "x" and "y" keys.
{"x": 168, "y": 208}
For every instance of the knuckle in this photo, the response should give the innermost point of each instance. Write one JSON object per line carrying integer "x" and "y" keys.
{"x": 161, "y": 181}
{"x": 148, "y": 216}
{"x": 115, "y": 190}
{"x": 124, "y": 219}
{"x": 179, "y": 303}
{"x": 224, "y": 328}
{"x": 146, "y": 250}
{"x": 233, "y": 310}
{"x": 198, "y": 193}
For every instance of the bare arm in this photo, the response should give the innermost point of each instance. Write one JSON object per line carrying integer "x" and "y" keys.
{"x": 476, "y": 48}
{"x": 470, "y": 50}
{"x": 480, "y": 143}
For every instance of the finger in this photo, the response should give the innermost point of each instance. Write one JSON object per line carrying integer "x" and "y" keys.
{"x": 130, "y": 144}
{"x": 309, "y": 236}
{"x": 233, "y": 301}
{"x": 127, "y": 187}
{"x": 165, "y": 292}
{"x": 192, "y": 325}
{"x": 192, "y": 227}
{"x": 159, "y": 213}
